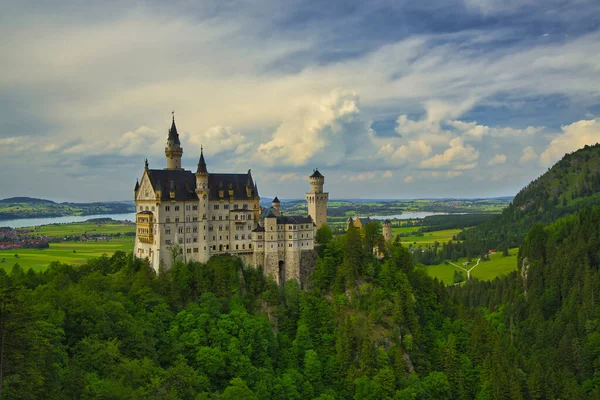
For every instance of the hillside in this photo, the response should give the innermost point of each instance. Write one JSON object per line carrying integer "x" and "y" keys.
{"x": 570, "y": 185}
{"x": 29, "y": 207}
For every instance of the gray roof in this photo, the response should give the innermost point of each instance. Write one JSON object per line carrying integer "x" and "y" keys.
{"x": 316, "y": 174}
{"x": 173, "y": 135}
{"x": 201, "y": 162}
{"x": 364, "y": 220}
{"x": 184, "y": 184}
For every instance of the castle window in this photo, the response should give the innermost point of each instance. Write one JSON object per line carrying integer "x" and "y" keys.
{"x": 168, "y": 241}
{"x": 176, "y": 208}
{"x": 220, "y": 227}
{"x": 214, "y": 218}
{"x": 250, "y": 226}
{"x": 195, "y": 240}
{"x": 189, "y": 251}
{"x": 290, "y": 245}
{"x": 249, "y": 216}
{"x": 188, "y": 240}
{"x": 236, "y": 237}
{"x": 236, "y": 217}
{"x": 152, "y": 208}
{"x": 195, "y": 208}
{"x": 227, "y": 218}
{"x": 204, "y": 237}
{"x": 271, "y": 246}
{"x": 181, "y": 229}
{"x": 226, "y": 206}
{"x": 290, "y": 236}
{"x": 271, "y": 237}
{"x": 260, "y": 236}
{"x": 220, "y": 218}
{"x": 250, "y": 246}
{"x": 237, "y": 246}
{"x": 187, "y": 219}
{"x": 188, "y": 230}
{"x": 210, "y": 228}
{"x": 195, "y": 230}
{"x": 243, "y": 246}
{"x": 245, "y": 205}
{"x": 195, "y": 249}
{"x": 235, "y": 206}
{"x": 180, "y": 240}
{"x": 214, "y": 247}
{"x": 220, "y": 237}
{"x": 168, "y": 231}
{"x": 243, "y": 217}
{"x": 167, "y": 208}
{"x": 249, "y": 236}
{"x": 176, "y": 219}
{"x": 214, "y": 238}
{"x": 216, "y": 206}
{"x": 168, "y": 220}
{"x": 187, "y": 208}
{"x": 243, "y": 237}
{"x": 147, "y": 208}
{"x": 227, "y": 247}
{"x": 141, "y": 208}
{"x": 195, "y": 219}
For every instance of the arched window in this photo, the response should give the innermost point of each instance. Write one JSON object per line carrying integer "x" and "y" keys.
{"x": 237, "y": 246}
{"x": 236, "y": 217}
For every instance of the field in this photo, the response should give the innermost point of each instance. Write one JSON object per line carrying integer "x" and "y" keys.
{"x": 428, "y": 237}
{"x": 80, "y": 228}
{"x": 486, "y": 270}
{"x": 66, "y": 252}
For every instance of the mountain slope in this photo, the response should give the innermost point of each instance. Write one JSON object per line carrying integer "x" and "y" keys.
{"x": 570, "y": 185}
{"x": 29, "y": 207}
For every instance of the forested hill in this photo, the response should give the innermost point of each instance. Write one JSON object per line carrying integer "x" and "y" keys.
{"x": 570, "y": 185}
{"x": 29, "y": 207}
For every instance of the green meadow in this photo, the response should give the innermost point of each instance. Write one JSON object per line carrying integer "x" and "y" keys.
{"x": 80, "y": 228}
{"x": 486, "y": 270}
{"x": 65, "y": 252}
{"x": 427, "y": 237}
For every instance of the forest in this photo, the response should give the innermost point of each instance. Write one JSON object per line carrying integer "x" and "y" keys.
{"x": 365, "y": 328}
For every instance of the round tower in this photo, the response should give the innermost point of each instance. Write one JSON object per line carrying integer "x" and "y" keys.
{"x": 173, "y": 151}
{"x": 316, "y": 199}
{"x": 276, "y": 206}
{"x": 203, "y": 192}
{"x": 387, "y": 230}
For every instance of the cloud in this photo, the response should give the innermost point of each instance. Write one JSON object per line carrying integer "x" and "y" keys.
{"x": 529, "y": 155}
{"x": 408, "y": 179}
{"x": 497, "y": 160}
{"x": 218, "y": 139}
{"x": 365, "y": 176}
{"x": 387, "y": 174}
{"x": 323, "y": 126}
{"x": 457, "y": 153}
{"x": 574, "y": 136}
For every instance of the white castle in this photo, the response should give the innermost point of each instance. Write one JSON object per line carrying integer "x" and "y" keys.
{"x": 197, "y": 215}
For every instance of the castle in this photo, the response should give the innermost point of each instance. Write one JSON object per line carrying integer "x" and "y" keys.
{"x": 197, "y": 215}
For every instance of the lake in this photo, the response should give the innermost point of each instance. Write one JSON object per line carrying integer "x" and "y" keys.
{"x": 412, "y": 215}
{"x": 26, "y": 222}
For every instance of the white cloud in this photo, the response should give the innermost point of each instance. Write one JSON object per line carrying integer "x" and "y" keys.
{"x": 408, "y": 179}
{"x": 387, "y": 174}
{"x": 364, "y": 176}
{"x": 454, "y": 174}
{"x": 457, "y": 153}
{"x": 324, "y": 127}
{"x": 218, "y": 139}
{"x": 529, "y": 155}
{"x": 574, "y": 136}
{"x": 497, "y": 160}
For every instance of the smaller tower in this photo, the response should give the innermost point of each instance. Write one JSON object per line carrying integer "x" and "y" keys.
{"x": 387, "y": 230}
{"x": 316, "y": 199}
{"x": 173, "y": 151}
{"x": 276, "y": 206}
{"x": 202, "y": 192}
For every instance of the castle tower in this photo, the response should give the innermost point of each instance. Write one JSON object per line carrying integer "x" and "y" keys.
{"x": 387, "y": 230}
{"x": 276, "y": 206}
{"x": 202, "y": 192}
{"x": 316, "y": 199}
{"x": 173, "y": 151}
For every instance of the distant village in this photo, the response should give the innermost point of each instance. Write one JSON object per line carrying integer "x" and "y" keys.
{"x": 26, "y": 238}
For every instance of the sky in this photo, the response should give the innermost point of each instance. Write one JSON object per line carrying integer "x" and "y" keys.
{"x": 388, "y": 99}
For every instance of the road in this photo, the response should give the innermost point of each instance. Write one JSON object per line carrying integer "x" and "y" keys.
{"x": 468, "y": 271}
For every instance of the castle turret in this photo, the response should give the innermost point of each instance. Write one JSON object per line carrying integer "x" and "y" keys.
{"x": 316, "y": 199}
{"x": 387, "y": 230}
{"x": 202, "y": 192}
{"x": 173, "y": 151}
{"x": 276, "y": 206}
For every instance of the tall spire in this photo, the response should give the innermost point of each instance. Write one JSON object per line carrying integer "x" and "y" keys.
{"x": 173, "y": 135}
{"x": 201, "y": 162}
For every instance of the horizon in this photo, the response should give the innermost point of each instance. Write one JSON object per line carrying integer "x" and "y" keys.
{"x": 400, "y": 101}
